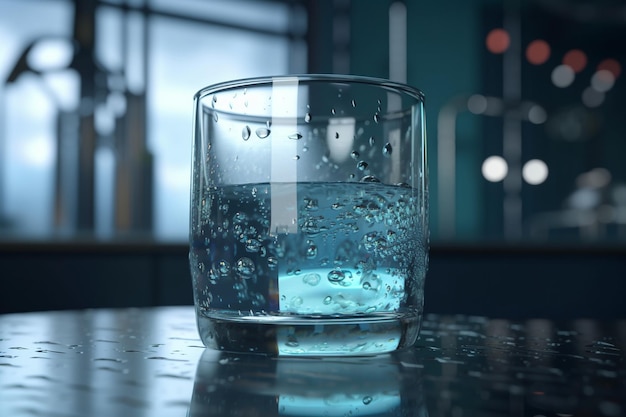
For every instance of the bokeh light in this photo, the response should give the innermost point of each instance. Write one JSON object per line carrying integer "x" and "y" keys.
{"x": 494, "y": 168}
{"x": 611, "y": 65}
{"x": 592, "y": 98}
{"x": 498, "y": 41}
{"x": 576, "y": 60}
{"x": 538, "y": 52}
{"x": 477, "y": 104}
{"x": 602, "y": 81}
{"x": 535, "y": 171}
{"x": 563, "y": 76}
{"x": 537, "y": 115}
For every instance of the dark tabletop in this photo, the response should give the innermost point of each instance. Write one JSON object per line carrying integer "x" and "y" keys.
{"x": 150, "y": 362}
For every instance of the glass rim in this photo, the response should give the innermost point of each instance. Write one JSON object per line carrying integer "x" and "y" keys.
{"x": 338, "y": 78}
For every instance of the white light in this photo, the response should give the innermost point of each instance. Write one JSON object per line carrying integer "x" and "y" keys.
{"x": 535, "y": 171}
{"x": 602, "y": 81}
{"x": 563, "y": 76}
{"x": 37, "y": 152}
{"x": 592, "y": 97}
{"x": 51, "y": 54}
{"x": 477, "y": 104}
{"x": 340, "y": 137}
{"x": 494, "y": 168}
{"x": 537, "y": 115}
{"x": 65, "y": 86}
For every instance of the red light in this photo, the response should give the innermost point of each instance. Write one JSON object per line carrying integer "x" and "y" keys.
{"x": 538, "y": 52}
{"x": 498, "y": 41}
{"x": 612, "y": 66}
{"x": 575, "y": 59}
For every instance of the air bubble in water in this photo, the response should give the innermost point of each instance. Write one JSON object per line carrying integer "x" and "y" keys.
{"x": 328, "y": 299}
{"x": 245, "y": 133}
{"x": 369, "y": 178}
{"x": 312, "y": 279}
{"x": 295, "y": 136}
{"x": 223, "y": 267}
{"x": 372, "y": 141}
{"x": 272, "y": 262}
{"x": 253, "y": 245}
{"x": 336, "y": 276}
{"x": 367, "y": 400}
{"x": 353, "y": 102}
{"x": 387, "y": 149}
{"x": 311, "y": 251}
{"x": 336, "y": 135}
{"x": 376, "y": 117}
{"x": 355, "y": 155}
{"x": 262, "y": 132}
{"x": 307, "y": 117}
{"x": 245, "y": 267}
{"x": 296, "y": 157}
{"x": 362, "y": 165}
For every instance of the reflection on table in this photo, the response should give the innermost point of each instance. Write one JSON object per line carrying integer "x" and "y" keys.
{"x": 150, "y": 362}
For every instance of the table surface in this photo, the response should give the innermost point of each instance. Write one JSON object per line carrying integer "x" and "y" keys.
{"x": 150, "y": 362}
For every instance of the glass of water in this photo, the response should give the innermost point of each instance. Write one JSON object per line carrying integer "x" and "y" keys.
{"x": 309, "y": 215}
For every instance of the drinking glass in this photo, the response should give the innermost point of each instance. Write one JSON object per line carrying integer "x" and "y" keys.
{"x": 309, "y": 215}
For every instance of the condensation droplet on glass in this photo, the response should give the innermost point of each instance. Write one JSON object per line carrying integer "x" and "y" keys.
{"x": 353, "y": 102}
{"x": 295, "y": 136}
{"x": 214, "y": 101}
{"x": 387, "y": 149}
{"x": 367, "y": 400}
{"x": 328, "y": 299}
{"x": 268, "y": 124}
{"x": 296, "y": 157}
{"x": 215, "y": 118}
{"x": 332, "y": 111}
{"x": 307, "y": 117}
{"x": 305, "y": 149}
{"x": 245, "y": 133}
{"x": 262, "y": 132}
{"x": 355, "y": 155}
{"x": 376, "y": 117}
{"x": 362, "y": 165}
{"x": 372, "y": 141}
{"x": 336, "y": 135}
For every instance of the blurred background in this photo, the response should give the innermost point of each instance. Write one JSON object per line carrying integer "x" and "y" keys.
{"x": 525, "y": 117}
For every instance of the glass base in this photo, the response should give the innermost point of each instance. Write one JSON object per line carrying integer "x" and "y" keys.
{"x": 309, "y": 335}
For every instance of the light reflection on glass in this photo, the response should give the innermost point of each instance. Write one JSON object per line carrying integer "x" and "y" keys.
{"x": 229, "y": 385}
